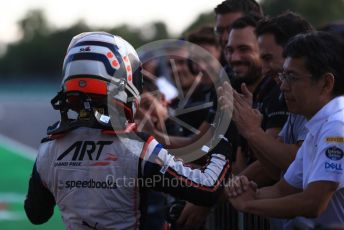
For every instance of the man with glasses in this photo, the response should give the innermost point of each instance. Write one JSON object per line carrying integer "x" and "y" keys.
{"x": 313, "y": 186}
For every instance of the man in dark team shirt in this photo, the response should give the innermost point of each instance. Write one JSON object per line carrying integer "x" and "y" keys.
{"x": 259, "y": 90}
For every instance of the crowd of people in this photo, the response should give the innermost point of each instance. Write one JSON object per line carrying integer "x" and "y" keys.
{"x": 248, "y": 111}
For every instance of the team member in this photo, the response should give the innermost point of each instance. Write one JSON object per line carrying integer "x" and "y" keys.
{"x": 274, "y": 155}
{"x": 244, "y": 58}
{"x": 93, "y": 166}
{"x": 273, "y": 33}
{"x": 226, "y": 13}
{"x": 192, "y": 216}
{"x": 312, "y": 83}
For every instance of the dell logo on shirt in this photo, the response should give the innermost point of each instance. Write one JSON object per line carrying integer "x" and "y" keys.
{"x": 333, "y": 166}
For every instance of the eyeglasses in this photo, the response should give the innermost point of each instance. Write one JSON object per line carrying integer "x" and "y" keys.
{"x": 289, "y": 78}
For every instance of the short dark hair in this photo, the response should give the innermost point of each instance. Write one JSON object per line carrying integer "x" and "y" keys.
{"x": 322, "y": 53}
{"x": 248, "y": 20}
{"x": 204, "y": 35}
{"x": 245, "y": 6}
{"x": 334, "y": 27}
{"x": 283, "y": 27}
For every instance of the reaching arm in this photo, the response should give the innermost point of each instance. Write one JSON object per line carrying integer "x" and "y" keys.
{"x": 248, "y": 122}
{"x": 280, "y": 189}
{"x": 173, "y": 142}
{"x": 265, "y": 143}
{"x": 277, "y": 153}
{"x": 199, "y": 186}
{"x": 39, "y": 203}
{"x": 145, "y": 123}
{"x": 257, "y": 173}
{"x": 284, "y": 201}
{"x": 240, "y": 161}
{"x": 270, "y": 168}
{"x": 273, "y": 132}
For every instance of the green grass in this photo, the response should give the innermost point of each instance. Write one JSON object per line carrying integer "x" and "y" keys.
{"x": 14, "y": 176}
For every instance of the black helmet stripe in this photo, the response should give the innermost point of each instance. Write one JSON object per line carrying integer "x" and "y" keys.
{"x": 111, "y": 47}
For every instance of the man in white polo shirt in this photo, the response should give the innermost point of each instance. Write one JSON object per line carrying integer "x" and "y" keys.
{"x": 313, "y": 186}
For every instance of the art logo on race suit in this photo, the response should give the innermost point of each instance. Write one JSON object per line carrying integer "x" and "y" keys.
{"x": 83, "y": 153}
{"x": 90, "y": 150}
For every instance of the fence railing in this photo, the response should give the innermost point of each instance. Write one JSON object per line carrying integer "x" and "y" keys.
{"x": 225, "y": 217}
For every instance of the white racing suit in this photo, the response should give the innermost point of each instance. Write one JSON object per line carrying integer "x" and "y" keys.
{"x": 94, "y": 176}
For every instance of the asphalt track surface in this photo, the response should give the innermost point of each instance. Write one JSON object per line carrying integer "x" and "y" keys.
{"x": 25, "y": 116}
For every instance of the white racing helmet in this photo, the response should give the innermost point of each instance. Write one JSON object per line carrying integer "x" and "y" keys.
{"x": 102, "y": 64}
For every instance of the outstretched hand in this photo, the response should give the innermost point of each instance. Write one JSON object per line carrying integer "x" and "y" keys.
{"x": 239, "y": 191}
{"x": 238, "y": 185}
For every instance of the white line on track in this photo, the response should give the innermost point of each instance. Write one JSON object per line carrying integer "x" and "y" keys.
{"x": 20, "y": 148}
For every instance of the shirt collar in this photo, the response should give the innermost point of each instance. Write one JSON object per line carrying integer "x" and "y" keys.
{"x": 332, "y": 107}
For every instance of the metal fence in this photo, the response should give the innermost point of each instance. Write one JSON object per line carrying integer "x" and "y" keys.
{"x": 224, "y": 217}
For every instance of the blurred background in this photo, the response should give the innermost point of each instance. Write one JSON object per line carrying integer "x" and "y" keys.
{"x": 34, "y": 35}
